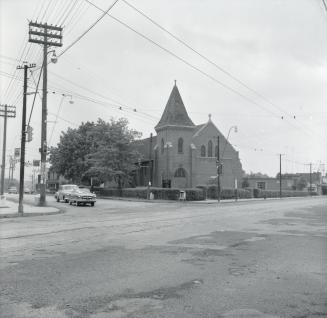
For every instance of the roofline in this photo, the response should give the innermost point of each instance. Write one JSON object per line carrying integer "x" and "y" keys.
{"x": 174, "y": 126}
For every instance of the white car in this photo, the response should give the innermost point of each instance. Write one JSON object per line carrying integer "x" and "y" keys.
{"x": 64, "y": 191}
{"x": 81, "y": 196}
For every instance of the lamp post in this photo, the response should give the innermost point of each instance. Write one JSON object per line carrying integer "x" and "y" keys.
{"x": 71, "y": 101}
{"x": 220, "y": 161}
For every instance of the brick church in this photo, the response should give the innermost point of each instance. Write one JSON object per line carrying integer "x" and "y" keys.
{"x": 184, "y": 155}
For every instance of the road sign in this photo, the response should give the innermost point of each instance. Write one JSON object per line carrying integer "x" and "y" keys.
{"x": 17, "y": 152}
{"x": 36, "y": 163}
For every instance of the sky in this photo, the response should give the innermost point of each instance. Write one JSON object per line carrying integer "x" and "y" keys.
{"x": 263, "y": 68}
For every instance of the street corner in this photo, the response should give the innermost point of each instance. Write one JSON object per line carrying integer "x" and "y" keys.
{"x": 9, "y": 209}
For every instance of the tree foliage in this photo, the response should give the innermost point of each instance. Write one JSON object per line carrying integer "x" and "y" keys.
{"x": 101, "y": 150}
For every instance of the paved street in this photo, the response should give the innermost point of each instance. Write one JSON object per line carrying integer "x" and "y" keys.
{"x": 137, "y": 259}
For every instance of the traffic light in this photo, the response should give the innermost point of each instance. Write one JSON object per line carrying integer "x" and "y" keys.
{"x": 29, "y": 133}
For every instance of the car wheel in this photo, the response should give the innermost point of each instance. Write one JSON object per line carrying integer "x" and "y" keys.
{"x": 70, "y": 202}
{"x": 58, "y": 199}
{"x": 92, "y": 203}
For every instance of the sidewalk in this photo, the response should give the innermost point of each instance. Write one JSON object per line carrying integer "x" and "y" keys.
{"x": 9, "y": 209}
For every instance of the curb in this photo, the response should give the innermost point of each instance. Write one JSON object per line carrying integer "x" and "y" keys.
{"x": 200, "y": 202}
{"x": 30, "y": 214}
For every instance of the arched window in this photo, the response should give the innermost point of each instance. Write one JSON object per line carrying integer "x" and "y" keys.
{"x": 210, "y": 148}
{"x": 216, "y": 151}
{"x": 203, "y": 151}
{"x": 162, "y": 146}
{"x": 180, "y": 173}
{"x": 180, "y": 145}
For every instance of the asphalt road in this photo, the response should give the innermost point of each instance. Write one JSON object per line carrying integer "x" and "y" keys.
{"x": 135, "y": 259}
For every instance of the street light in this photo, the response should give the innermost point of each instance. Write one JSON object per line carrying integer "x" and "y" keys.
{"x": 71, "y": 101}
{"x": 54, "y": 58}
{"x": 229, "y": 131}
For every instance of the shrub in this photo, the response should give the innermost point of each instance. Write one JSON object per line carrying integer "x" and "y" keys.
{"x": 211, "y": 192}
{"x": 195, "y": 194}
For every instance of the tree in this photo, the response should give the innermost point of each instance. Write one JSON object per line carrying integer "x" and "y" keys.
{"x": 113, "y": 157}
{"x": 99, "y": 150}
{"x": 301, "y": 183}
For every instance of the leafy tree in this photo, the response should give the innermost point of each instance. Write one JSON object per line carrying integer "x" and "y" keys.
{"x": 113, "y": 157}
{"x": 100, "y": 150}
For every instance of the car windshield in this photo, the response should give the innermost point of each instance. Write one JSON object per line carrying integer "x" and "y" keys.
{"x": 70, "y": 187}
{"x": 84, "y": 190}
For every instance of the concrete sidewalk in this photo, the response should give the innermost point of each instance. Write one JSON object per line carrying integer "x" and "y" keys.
{"x": 9, "y": 208}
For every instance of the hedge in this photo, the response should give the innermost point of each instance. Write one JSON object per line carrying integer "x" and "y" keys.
{"x": 159, "y": 193}
{"x": 257, "y": 193}
{"x": 210, "y": 192}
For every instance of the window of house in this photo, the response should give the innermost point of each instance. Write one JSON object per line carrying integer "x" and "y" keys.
{"x": 210, "y": 148}
{"x": 180, "y": 145}
{"x": 162, "y": 146}
{"x": 180, "y": 173}
{"x": 203, "y": 151}
{"x": 261, "y": 185}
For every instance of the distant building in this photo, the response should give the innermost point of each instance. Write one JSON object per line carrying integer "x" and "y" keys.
{"x": 183, "y": 154}
{"x": 269, "y": 183}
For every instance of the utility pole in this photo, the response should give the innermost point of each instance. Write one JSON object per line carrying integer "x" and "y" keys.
{"x": 5, "y": 112}
{"x": 310, "y": 178}
{"x": 280, "y": 175}
{"x": 23, "y": 140}
{"x": 47, "y": 35}
{"x": 218, "y": 169}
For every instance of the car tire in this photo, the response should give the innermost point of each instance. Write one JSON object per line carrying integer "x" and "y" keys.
{"x": 58, "y": 199}
{"x": 77, "y": 203}
{"x": 92, "y": 203}
{"x": 70, "y": 202}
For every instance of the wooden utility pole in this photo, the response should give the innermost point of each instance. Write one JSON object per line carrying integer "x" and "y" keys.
{"x": 5, "y": 112}
{"x": 47, "y": 35}
{"x": 23, "y": 140}
{"x": 310, "y": 178}
{"x": 280, "y": 175}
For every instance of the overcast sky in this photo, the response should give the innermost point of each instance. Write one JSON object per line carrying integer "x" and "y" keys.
{"x": 277, "y": 48}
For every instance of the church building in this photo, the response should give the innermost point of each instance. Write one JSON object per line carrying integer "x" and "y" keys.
{"x": 184, "y": 155}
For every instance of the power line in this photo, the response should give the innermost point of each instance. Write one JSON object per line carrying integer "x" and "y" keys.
{"x": 198, "y": 69}
{"x": 325, "y": 5}
{"x": 88, "y": 29}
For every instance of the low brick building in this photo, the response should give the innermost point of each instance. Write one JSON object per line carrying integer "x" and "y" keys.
{"x": 184, "y": 155}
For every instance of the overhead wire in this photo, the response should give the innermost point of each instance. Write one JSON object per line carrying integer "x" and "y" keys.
{"x": 220, "y": 83}
{"x": 88, "y": 29}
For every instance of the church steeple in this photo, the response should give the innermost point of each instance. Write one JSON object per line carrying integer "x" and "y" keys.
{"x": 175, "y": 113}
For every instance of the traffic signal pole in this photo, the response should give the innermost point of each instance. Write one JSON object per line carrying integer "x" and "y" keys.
{"x": 23, "y": 140}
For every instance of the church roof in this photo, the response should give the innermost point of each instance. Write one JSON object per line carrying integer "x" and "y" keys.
{"x": 175, "y": 113}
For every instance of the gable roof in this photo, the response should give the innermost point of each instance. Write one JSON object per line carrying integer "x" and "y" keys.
{"x": 175, "y": 113}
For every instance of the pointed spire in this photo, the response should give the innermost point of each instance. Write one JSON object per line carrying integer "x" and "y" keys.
{"x": 175, "y": 113}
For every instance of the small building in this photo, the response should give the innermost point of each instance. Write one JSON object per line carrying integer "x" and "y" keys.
{"x": 269, "y": 183}
{"x": 184, "y": 155}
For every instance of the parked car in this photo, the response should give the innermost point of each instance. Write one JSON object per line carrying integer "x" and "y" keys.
{"x": 12, "y": 190}
{"x": 64, "y": 191}
{"x": 81, "y": 196}
{"x": 27, "y": 190}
